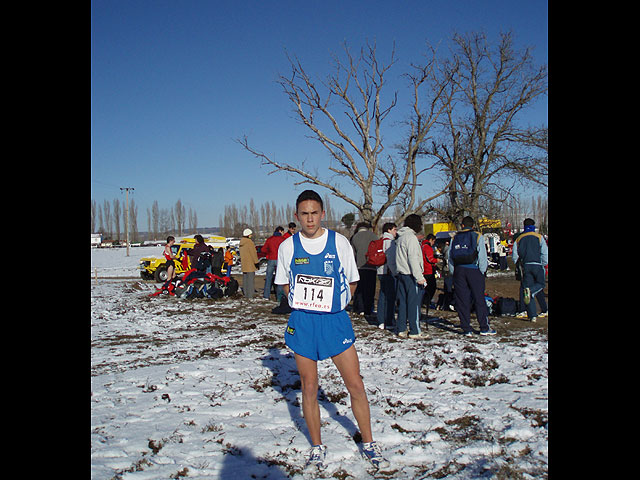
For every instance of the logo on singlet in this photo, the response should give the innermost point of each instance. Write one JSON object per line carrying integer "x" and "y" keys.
{"x": 328, "y": 267}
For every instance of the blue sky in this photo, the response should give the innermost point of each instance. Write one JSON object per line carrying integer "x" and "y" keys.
{"x": 173, "y": 84}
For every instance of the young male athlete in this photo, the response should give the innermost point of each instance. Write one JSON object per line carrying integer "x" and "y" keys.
{"x": 319, "y": 273}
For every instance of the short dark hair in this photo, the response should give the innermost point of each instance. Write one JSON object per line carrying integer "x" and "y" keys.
{"x": 198, "y": 238}
{"x": 364, "y": 224}
{"x": 467, "y": 222}
{"x": 528, "y": 222}
{"x": 279, "y": 229}
{"x": 293, "y": 224}
{"x": 413, "y": 221}
{"x": 388, "y": 226}
{"x": 431, "y": 236}
{"x": 309, "y": 195}
{"x": 169, "y": 238}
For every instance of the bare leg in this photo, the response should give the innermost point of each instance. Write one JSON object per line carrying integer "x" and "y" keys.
{"x": 308, "y": 370}
{"x": 349, "y": 367}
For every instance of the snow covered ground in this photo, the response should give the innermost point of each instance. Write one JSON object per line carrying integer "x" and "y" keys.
{"x": 207, "y": 389}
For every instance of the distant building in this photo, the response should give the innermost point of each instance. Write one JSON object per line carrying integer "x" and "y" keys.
{"x": 96, "y": 239}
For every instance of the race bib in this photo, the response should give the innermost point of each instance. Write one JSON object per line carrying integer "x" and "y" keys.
{"x": 313, "y": 293}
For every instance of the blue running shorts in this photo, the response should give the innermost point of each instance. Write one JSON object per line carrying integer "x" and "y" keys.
{"x": 319, "y": 336}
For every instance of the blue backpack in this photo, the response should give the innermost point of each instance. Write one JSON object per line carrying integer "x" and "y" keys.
{"x": 464, "y": 248}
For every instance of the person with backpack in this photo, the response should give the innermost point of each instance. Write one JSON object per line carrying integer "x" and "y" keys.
{"x": 387, "y": 275}
{"x": 531, "y": 250}
{"x": 366, "y": 289}
{"x": 468, "y": 264}
{"x": 411, "y": 281}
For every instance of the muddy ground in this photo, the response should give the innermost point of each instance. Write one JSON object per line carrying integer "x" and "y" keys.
{"x": 497, "y": 285}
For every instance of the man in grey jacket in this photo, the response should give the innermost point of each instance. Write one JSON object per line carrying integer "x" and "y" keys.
{"x": 411, "y": 281}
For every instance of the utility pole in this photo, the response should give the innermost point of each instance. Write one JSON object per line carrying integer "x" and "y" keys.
{"x": 126, "y": 215}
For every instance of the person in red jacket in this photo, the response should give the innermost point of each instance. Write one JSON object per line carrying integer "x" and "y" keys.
{"x": 270, "y": 248}
{"x": 291, "y": 231}
{"x": 429, "y": 273}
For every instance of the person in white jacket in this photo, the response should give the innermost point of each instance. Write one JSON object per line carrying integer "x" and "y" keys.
{"x": 411, "y": 281}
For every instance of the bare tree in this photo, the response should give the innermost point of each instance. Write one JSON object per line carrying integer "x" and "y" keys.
{"x": 100, "y": 220}
{"x": 430, "y": 89}
{"x": 155, "y": 219}
{"x": 463, "y": 126}
{"x": 482, "y": 151}
{"x": 193, "y": 220}
{"x": 106, "y": 208}
{"x": 149, "y": 224}
{"x": 93, "y": 216}
{"x": 180, "y": 216}
{"x": 254, "y": 218}
{"x": 116, "y": 217}
{"x": 133, "y": 221}
{"x": 350, "y": 103}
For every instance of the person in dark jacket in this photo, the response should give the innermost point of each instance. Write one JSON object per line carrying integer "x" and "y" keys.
{"x": 468, "y": 279}
{"x": 217, "y": 259}
{"x": 200, "y": 247}
{"x": 429, "y": 273}
{"x": 270, "y": 248}
{"x": 366, "y": 289}
{"x": 531, "y": 249}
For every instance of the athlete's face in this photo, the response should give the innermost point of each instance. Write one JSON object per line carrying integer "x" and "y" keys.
{"x": 309, "y": 215}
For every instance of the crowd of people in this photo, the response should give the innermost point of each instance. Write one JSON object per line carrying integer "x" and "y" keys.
{"x": 408, "y": 278}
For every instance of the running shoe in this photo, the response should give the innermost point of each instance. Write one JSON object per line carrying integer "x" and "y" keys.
{"x": 403, "y": 334}
{"x": 419, "y": 335}
{"x": 372, "y": 452}
{"x": 490, "y": 331}
{"x": 317, "y": 457}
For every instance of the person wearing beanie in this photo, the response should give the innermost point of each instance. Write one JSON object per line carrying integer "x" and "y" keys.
{"x": 249, "y": 262}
